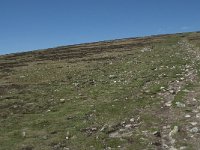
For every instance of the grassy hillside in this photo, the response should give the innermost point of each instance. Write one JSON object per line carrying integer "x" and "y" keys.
{"x": 130, "y": 94}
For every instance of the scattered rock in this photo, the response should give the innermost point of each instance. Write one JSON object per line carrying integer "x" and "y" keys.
{"x": 112, "y": 76}
{"x": 183, "y": 148}
{"x": 94, "y": 129}
{"x": 198, "y": 115}
{"x": 194, "y": 99}
{"x": 128, "y": 126}
{"x": 23, "y": 134}
{"x": 157, "y": 134}
{"x": 132, "y": 120}
{"x": 44, "y": 137}
{"x": 194, "y": 130}
{"x": 62, "y": 100}
{"x": 193, "y": 123}
{"x": 146, "y": 49}
{"x": 162, "y": 87}
{"x": 22, "y": 76}
{"x": 195, "y": 111}
{"x": 168, "y": 104}
{"x": 179, "y": 104}
{"x": 174, "y": 131}
{"x": 187, "y": 116}
{"x": 172, "y": 91}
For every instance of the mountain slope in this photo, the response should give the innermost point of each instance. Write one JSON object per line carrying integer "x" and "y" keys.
{"x": 140, "y": 93}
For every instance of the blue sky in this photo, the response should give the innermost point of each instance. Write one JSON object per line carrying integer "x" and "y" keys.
{"x": 37, "y": 24}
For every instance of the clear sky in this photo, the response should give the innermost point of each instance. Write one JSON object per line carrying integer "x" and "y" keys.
{"x": 37, "y": 24}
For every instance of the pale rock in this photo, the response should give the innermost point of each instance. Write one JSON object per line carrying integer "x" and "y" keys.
{"x": 187, "y": 116}
{"x": 194, "y": 99}
{"x": 172, "y": 92}
{"x": 183, "y": 148}
{"x": 162, "y": 87}
{"x": 168, "y": 104}
{"x": 112, "y": 76}
{"x": 62, "y": 100}
{"x": 179, "y": 104}
{"x": 194, "y": 130}
{"x": 198, "y": 115}
{"x": 128, "y": 126}
{"x": 193, "y": 123}
{"x": 94, "y": 129}
{"x": 195, "y": 111}
{"x": 174, "y": 131}
{"x": 23, "y": 134}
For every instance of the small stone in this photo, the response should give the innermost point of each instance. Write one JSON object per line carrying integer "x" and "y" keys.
{"x": 187, "y": 116}
{"x": 195, "y": 111}
{"x": 44, "y": 137}
{"x": 94, "y": 129}
{"x": 23, "y": 134}
{"x": 198, "y": 115}
{"x": 67, "y": 138}
{"x": 194, "y": 99}
{"x": 132, "y": 120}
{"x": 179, "y": 104}
{"x": 112, "y": 76}
{"x": 168, "y": 104}
{"x": 183, "y": 148}
{"x": 174, "y": 131}
{"x": 193, "y": 123}
{"x": 162, "y": 87}
{"x": 157, "y": 134}
{"x": 172, "y": 92}
{"x": 128, "y": 126}
{"x": 15, "y": 106}
{"x": 76, "y": 84}
{"x": 194, "y": 130}
{"x": 62, "y": 100}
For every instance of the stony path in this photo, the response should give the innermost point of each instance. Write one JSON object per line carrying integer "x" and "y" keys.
{"x": 191, "y": 118}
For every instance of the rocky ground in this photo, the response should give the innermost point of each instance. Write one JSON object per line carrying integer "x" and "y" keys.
{"x": 140, "y": 93}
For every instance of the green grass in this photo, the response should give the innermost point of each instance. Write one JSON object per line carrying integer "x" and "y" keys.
{"x": 96, "y": 92}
